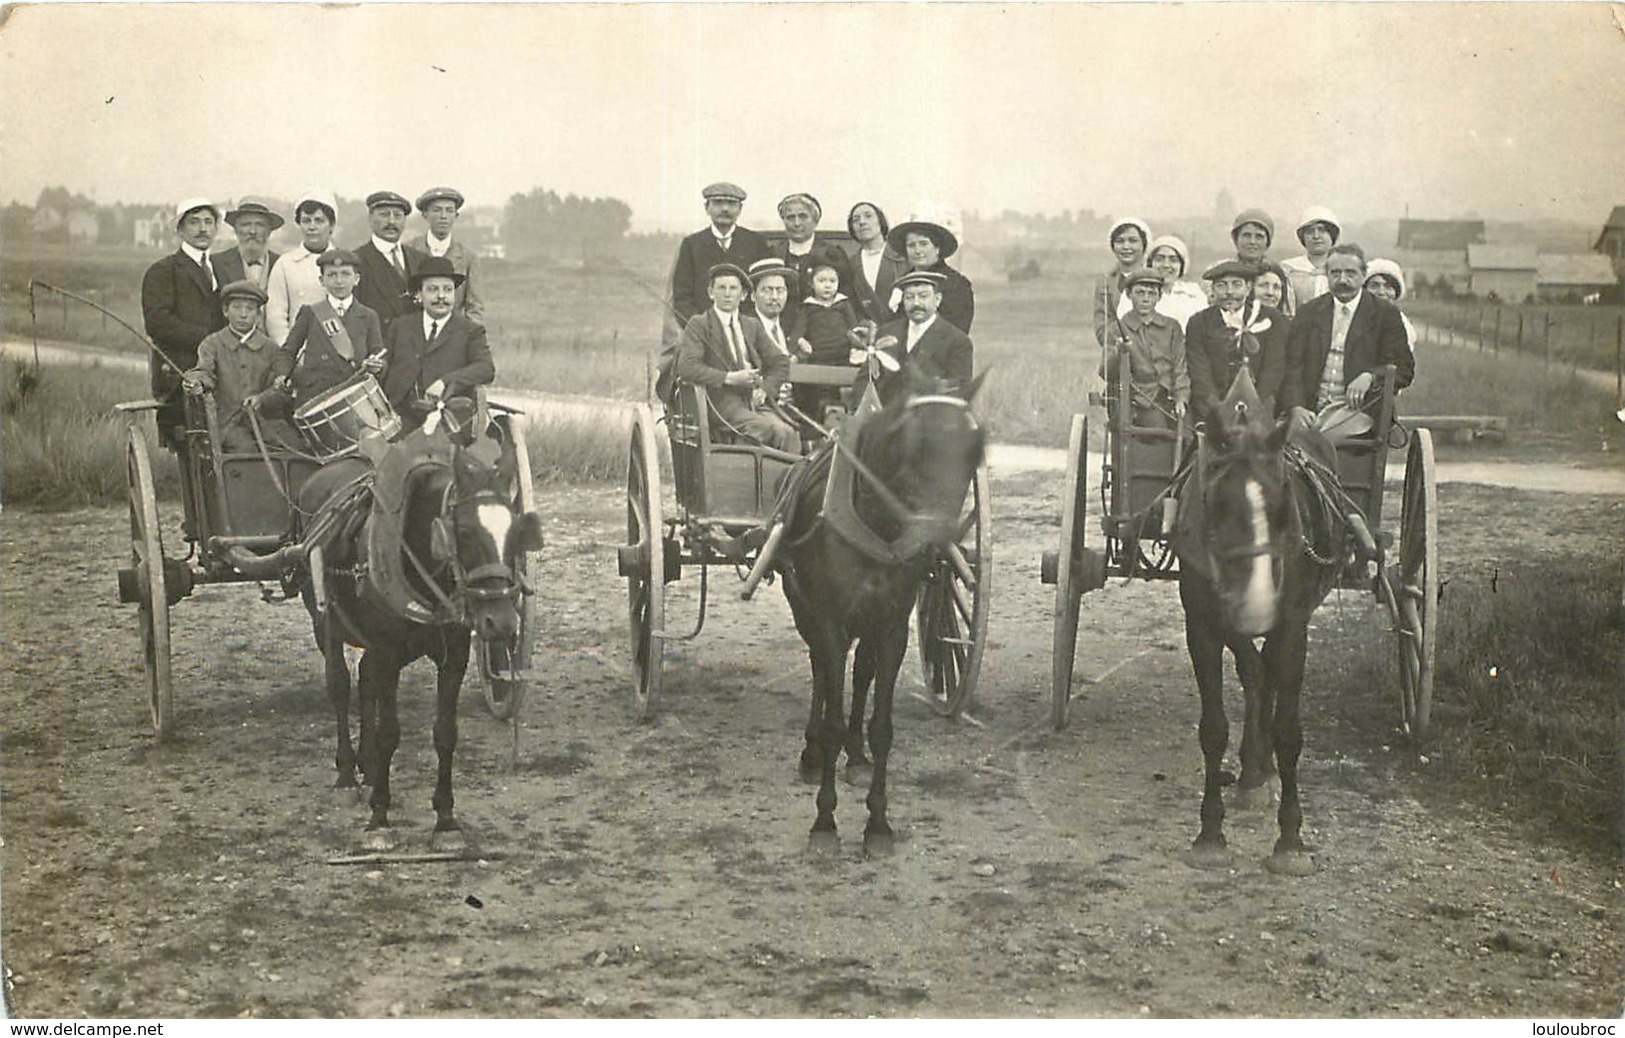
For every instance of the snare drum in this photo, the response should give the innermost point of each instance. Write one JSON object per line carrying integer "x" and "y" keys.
{"x": 333, "y": 422}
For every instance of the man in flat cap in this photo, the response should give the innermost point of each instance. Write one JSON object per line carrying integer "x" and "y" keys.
{"x": 800, "y": 213}
{"x": 180, "y": 305}
{"x": 1340, "y": 341}
{"x": 924, "y": 340}
{"x": 387, "y": 263}
{"x": 1235, "y": 327}
{"x": 722, "y": 241}
{"x": 251, "y": 259}
{"x": 235, "y": 364}
{"x": 727, "y": 352}
{"x": 440, "y": 206}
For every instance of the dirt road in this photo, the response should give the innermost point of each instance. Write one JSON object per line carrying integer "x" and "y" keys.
{"x": 660, "y": 870}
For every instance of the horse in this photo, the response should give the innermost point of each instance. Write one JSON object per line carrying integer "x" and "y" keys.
{"x": 1245, "y": 536}
{"x": 911, "y": 463}
{"x": 424, "y": 564}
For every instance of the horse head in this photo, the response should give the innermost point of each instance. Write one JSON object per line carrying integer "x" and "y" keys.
{"x": 1248, "y": 507}
{"x": 924, "y": 448}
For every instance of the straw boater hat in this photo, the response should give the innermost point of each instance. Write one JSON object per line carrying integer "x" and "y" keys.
{"x": 768, "y": 267}
{"x": 946, "y": 243}
{"x": 434, "y": 267}
{"x": 1320, "y": 214}
{"x": 255, "y": 207}
{"x": 1389, "y": 269}
{"x": 192, "y": 205}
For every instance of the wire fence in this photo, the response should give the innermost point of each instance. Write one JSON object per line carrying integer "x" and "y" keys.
{"x": 1590, "y": 338}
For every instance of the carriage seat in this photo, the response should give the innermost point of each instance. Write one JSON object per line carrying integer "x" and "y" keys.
{"x": 719, "y": 475}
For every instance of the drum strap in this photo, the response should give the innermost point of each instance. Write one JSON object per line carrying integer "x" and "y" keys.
{"x": 333, "y": 325}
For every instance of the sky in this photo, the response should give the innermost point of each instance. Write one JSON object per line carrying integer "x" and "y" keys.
{"x": 1374, "y": 109}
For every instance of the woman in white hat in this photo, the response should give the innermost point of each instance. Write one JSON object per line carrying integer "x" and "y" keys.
{"x": 295, "y": 280}
{"x": 1129, "y": 237}
{"x": 1170, "y": 257}
{"x": 1318, "y": 231}
{"x": 1386, "y": 280}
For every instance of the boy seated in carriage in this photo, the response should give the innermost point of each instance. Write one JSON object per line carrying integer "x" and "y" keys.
{"x": 1159, "y": 378}
{"x": 822, "y": 325}
{"x": 332, "y": 340}
{"x": 234, "y": 364}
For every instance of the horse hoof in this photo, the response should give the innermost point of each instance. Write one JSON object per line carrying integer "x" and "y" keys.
{"x": 448, "y": 841}
{"x": 860, "y": 774}
{"x": 378, "y": 841}
{"x": 879, "y": 844}
{"x": 1291, "y": 863}
{"x": 1210, "y": 856}
{"x": 823, "y": 843}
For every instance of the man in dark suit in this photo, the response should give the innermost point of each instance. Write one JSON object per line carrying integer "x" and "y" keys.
{"x": 179, "y": 306}
{"x": 1219, "y": 337}
{"x": 1341, "y": 340}
{"x": 728, "y": 353}
{"x": 723, "y": 241}
{"x": 251, "y": 259}
{"x": 387, "y": 264}
{"x": 437, "y": 353}
{"x": 924, "y": 340}
{"x": 800, "y": 213}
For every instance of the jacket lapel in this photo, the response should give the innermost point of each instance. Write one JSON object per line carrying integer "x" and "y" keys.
{"x": 448, "y": 328}
{"x": 199, "y": 278}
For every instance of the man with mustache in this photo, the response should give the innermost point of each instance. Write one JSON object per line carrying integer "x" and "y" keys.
{"x": 924, "y": 340}
{"x": 251, "y": 259}
{"x": 180, "y": 305}
{"x": 388, "y": 265}
{"x": 1234, "y": 328}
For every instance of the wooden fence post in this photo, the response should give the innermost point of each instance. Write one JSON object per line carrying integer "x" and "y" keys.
{"x": 1496, "y": 342}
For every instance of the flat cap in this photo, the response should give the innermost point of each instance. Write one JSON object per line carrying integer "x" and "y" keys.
{"x": 946, "y": 243}
{"x": 192, "y": 205}
{"x": 1258, "y": 216}
{"x": 723, "y": 189}
{"x": 242, "y": 290}
{"x": 379, "y": 199}
{"x": 768, "y": 267}
{"x": 1144, "y": 276}
{"x": 337, "y": 257}
{"x": 434, "y": 267}
{"x": 256, "y": 207}
{"x": 922, "y": 277}
{"x": 728, "y": 268}
{"x": 1230, "y": 268}
{"x": 438, "y": 194}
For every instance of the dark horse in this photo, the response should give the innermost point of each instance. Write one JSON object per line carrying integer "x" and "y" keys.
{"x": 421, "y": 565}
{"x": 853, "y": 575}
{"x": 1248, "y": 524}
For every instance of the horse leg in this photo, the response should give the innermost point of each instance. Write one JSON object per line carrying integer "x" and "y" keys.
{"x": 1284, "y": 656}
{"x": 830, "y": 665}
{"x": 337, "y": 671}
{"x": 381, "y": 679}
{"x": 812, "y": 750}
{"x": 1206, "y": 647}
{"x": 453, "y": 664}
{"x": 877, "y": 835}
{"x": 1257, "y": 752}
{"x": 859, "y": 771}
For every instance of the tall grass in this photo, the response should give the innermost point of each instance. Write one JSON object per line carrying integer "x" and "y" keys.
{"x": 577, "y": 449}
{"x": 64, "y": 446}
{"x": 1585, "y": 335}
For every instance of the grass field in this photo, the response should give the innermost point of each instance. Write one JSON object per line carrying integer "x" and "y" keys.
{"x": 1583, "y": 336}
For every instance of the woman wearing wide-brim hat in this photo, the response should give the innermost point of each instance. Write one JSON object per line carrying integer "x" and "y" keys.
{"x": 926, "y": 246}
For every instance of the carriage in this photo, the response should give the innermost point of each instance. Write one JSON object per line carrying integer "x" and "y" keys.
{"x": 239, "y": 526}
{"x": 725, "y": 493}
{"x": 1400, "y": 567}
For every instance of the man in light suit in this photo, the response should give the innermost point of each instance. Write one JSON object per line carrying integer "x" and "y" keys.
{"x": 435, "y": 354}
{"x": 1341, "y": 340}
{"x": 440, "y": 206}
{"x": 251, "y": 259}
{"x": 925, "y": 341}
{"x": 180, "y": 306}
{"x": 729, "y": 354}
{"x": 387, "y": 264}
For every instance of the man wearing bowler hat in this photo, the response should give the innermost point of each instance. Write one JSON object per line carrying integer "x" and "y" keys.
{"x": 925, "y": 340}
{"x": 440, "y": 206}
{"x": 387, "y": 263}
{"x": 722, "y": 241}
{"x": 180, "y": 305}
{"x": 741, "y": 369}
{"x": 437, "y": 353}
{"x": 251, "y": 259}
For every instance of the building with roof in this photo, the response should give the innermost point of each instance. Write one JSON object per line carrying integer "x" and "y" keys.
{"x": 1573, "y": 278}
{"x": 1439, "y": 235}
{"x": 1611, "y": 242}
{"x": 1434, "y": 254}
{"x": 1502, "y": 272}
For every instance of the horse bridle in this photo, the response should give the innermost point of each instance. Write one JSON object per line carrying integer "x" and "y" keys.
{"x": 472, "y": 583}
{"x": 1210, "y": 469}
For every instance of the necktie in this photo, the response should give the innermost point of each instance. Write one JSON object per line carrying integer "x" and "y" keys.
{"x": 208, "y": 268}
{"x": 1340, "y": 325}
{"x": 400, "y": 263}
{"x": 434, "y": 330}
{"x": 778, "y": 338}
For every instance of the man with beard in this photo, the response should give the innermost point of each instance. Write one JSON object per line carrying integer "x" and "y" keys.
{"x": 180, "y": 305}
{"x": 251, "y": 259}
{"x": 1341, "y": 340}
{"x": 1233, "y": 329}
{"x": 924, "y": 340}
{"x": 387, "y": 264}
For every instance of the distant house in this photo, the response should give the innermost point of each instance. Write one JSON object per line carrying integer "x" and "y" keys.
{"x": 83, "y": 225}
{"x": 1434, "y": 254}
{"x": 47, "y": 219}
{"x": 1573, "y": 278}
{"x": 1611, "y": 242}
{"x": 1504, "y": 272}
{"x": 153, "y": 230}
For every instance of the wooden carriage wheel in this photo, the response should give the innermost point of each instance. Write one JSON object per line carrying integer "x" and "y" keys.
{"x": 150, "y": 590}
{"x": 505, "y": 698}
{"x": 642, "y": 563}
{"x": 1065, "y": 570}
{"x": 951, "y": 607}
{"x": 1415, "y": 581}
